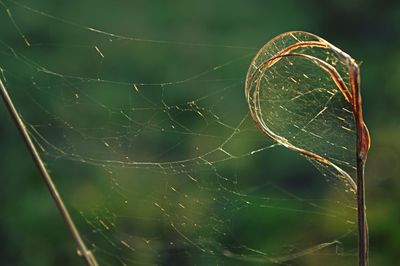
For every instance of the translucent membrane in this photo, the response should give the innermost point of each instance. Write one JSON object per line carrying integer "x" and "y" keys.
{"x": 303, "y": 93}
{"x": 299, "y": 94}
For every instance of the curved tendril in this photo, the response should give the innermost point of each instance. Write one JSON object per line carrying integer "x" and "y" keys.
{"x": 351, "y": 94}
{"x": 254, "y": 104}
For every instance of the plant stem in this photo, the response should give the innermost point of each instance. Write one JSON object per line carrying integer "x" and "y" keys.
{"x": 82, "y": 249}
{"x": 363, "y": 143}
{"x": 361, "y": 211}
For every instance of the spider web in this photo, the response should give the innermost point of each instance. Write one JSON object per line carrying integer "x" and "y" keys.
{"x": 152, "y": 147}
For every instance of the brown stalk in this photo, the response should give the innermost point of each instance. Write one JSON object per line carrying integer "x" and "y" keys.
{"x": 353, "y": 96}
{"x": 363, "y": 144}
{"x": 83, "y": 251}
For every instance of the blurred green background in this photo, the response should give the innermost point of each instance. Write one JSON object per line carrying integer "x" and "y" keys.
{"x": 31, "y": 230}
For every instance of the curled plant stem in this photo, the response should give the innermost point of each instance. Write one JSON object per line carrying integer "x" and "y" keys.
{"x": 297, "y": 44}
{"x": 83, "y": 251}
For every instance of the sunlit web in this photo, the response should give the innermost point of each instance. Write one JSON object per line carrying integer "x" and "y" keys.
{"x": 152, "y": 147}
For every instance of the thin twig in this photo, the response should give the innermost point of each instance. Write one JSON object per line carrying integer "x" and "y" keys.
{"x": 362, "y": 219}
{"x": 83, "y": 251}
{"x": 362, "y": 147}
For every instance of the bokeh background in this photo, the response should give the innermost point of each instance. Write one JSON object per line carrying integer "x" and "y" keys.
{"x": 31, "y": 230}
